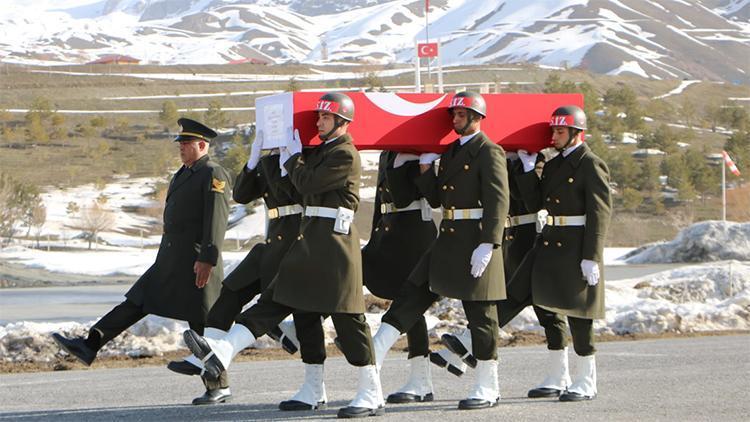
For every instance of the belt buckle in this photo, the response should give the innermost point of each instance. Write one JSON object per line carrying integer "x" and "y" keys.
{"x": 550, "y": 220}
{"x": 383, "y": 209}
{"x": 448, "y": 214}
{"x": 273, "y": 213}
{"x": 508, "y": 223}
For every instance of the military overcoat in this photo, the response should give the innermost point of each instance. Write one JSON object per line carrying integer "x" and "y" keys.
{"x": 470, "y": 176}
{"x": 322, "y": 271}
{"x": 262, "y": 262}
{"x": 195, "y": 220}
{"x": 399, "y": 239}
{"x": 517, "y": 240}
{"x": 574, "y": 185}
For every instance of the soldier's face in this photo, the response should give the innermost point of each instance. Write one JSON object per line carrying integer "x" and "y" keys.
{"x": 460, "y": 117}
{"x": 326, "y": 122}
{"x": 191, "y": 151}
{"x": 560, "y": 136}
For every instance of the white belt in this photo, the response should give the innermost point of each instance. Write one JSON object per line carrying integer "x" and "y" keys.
{"x": 284, "y": 211}
{"x": 566, "y": 220}
{"x": 388, "y": 208}
{"x": 324, "y": 212}
{"x": 463, "y": 214}
{"x": 518, "y": 220}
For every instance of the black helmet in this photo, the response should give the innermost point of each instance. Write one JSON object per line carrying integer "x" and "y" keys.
{"x": 470, "y": 101}
{"x": 569, "y": 116}
{"x": 338, "y": 104}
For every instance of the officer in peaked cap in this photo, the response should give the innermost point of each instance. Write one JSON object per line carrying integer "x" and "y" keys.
{"x": 185, "y": 280}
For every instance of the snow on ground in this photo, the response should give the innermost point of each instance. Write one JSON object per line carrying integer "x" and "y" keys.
{"x": 701, "y": 242}
{"x": 714, "y": 296}
{"x": 678, "y": 90}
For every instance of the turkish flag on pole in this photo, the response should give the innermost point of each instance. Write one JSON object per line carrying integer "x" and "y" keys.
{"x": 730, "y": 163}
{"x": 428, "y": 49}
{"x": 426, "y": 5}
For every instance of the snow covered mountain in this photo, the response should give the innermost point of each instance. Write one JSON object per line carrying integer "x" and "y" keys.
{"x": 697, "y": 39}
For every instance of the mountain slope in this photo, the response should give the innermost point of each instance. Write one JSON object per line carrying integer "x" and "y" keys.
{"x": 697, "y": 39}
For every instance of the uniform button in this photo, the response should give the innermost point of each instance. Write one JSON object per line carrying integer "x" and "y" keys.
{"x": 169, "y": 244}
{"x": 387, "y": 229}
{"x": 570, "y": 180}
{"x": 466, "y": 166}
{"x": 387, "y": 190}
{"x": 442, "y": 229}
{"x": 548, "y": 199}
{"x": 557, "y": 201}
{"x": 377, "y": 228}
{"x": 441, "y": 168}
{"x": 451, "y": 229}
{"x": 558, "y": 244}
{"x": 451, "y": 187}
{"x": 268, "y": 240}
{"x": 265, "y": 195}
{"x": 278, "y": 237}
{"x": 453, "y": 207}
{"x": 299, "y": 237}
{"x": 445, "y": 187}
{"x": 546, "y": 243}
{"x": 380, "y": 189}
{"x": 510, "y": 237}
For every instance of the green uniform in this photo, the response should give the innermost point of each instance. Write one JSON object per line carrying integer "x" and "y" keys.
{"x": 195, "y": 219}
{"x": 573, "y": 185}
{"x": 397, "y": 239}
{"x": 470, "y": 176}
{"x": 322, "y": 272}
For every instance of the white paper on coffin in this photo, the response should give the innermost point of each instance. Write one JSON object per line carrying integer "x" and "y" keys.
{"x": 274, "y": 116}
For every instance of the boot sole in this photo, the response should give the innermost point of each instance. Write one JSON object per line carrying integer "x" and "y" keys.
{"x": 70, "y": 352}
{"x": 403, "y": 398}
{"x": 380, "y": 411}
{"x": 213, "y": 366}
{"x": 457, "y": 348}
{"x": 298, "y": 406}
{"x": 212, "y": 402}
{"x": 438, "y": 360}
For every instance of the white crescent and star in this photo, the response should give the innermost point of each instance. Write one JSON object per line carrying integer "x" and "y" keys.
{"x": 398, "y": 106}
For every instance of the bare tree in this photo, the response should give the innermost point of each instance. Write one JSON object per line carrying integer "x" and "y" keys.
{"x": 38, "y": 218}
{"x": 95, "y": 218}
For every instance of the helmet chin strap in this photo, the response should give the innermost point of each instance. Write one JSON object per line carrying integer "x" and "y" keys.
{"x": 469, "y": 119}
{"x": 572, "y": 133}
{"x": 337, "y": 123}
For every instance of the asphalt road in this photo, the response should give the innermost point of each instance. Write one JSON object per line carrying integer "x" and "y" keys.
{"x": 702, "y": 378}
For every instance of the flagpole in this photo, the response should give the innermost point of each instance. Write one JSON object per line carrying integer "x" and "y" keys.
{"x": 427, "y": 34}
{"x": 724, "y": 191}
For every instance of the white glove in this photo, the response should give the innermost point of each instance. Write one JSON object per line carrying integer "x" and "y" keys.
{"x": 254, "y": 159}
{"x": 510, "y": 155}
{"x": 480, "y": 258}
{"x": 428, "y": 158}
{"x": 528, "y": 160}
{"x": 293, "y": 143}
{"x": 284, "y": 156}
{"x": 590, "y": 271}
{"x": 402, "y": 158}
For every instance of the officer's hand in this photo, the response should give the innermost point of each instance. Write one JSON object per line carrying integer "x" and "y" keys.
{"x": 202, "y": 271}
{"x": 528, "y": 160}
{"x": 590, "y": 270}
{"x": 480, "y": 258}
{"x": 293, "y": 142}
{"x": 402, "y": 158}
{"x": 255, "y": 148}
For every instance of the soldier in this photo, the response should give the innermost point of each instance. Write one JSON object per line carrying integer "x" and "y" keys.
{"x": 564, "y": 269}
{"x": 402, "y": 230}
{"x": 322, "y": 271}
{"x": 471, "y": 185}
{"x": 520, "y": 234}
{"x": 260, "y": 178}
{"x": 184, "y": 281}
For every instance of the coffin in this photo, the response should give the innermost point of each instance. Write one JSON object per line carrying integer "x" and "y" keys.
{"x": 410, "y": 122}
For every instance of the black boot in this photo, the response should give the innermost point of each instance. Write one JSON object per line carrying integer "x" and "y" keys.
{"x": 183, "y": 367}
{"x": 216, "y": 396}
{"x": 77, "y": 347}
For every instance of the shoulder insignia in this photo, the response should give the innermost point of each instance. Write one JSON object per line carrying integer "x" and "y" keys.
{"x": 218, "y": 185}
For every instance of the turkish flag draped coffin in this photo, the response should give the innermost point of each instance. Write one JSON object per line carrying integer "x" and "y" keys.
{"x": 409, "y": 122}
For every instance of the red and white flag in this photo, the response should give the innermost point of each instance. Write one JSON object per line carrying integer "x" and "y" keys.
{"x": 728, "y": 161}
{"x": 426, "y": 5}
